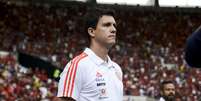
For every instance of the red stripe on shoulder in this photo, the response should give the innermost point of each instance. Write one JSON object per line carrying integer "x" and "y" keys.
{"x": 74, "y": 73}
{"x": 69, "y": 74}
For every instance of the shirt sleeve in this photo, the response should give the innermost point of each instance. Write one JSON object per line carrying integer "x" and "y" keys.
{"x": 118, "y": 71}
{"x": 70, "y": 81}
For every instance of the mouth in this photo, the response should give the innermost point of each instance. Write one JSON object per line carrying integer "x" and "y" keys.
{"x": 171, "y": 95}
{"x": 112, "y": 36}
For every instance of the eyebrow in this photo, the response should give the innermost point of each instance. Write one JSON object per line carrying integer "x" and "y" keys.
{"x": 109, "y": 23}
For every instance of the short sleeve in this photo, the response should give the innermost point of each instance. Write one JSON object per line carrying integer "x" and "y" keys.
{"x": 70, "y": 81}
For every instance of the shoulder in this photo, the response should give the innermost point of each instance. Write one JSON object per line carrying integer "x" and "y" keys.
{"x": 117, "y": 67}
{"x": 79, "y": 59}
{"x": 83, "y": 63}
{"x": 77, "y": 62}
{"x": 118, "y": 70}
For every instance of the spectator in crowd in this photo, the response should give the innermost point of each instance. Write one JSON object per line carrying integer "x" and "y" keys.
{"x": 168, "y": 91}
{"x": 150, "y": 50}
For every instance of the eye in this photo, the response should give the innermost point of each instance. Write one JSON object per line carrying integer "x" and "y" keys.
{"x": 110, "y": 24}
{"x": 107, "y": 24}
{"x": 115, "y": 25}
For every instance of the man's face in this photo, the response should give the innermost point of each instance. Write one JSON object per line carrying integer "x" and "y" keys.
{"x": 105, "y": 31}
{"x": 169, "y": 92}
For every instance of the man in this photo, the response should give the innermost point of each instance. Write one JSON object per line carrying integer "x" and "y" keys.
{"x": 92, "y": 75}
{"x": 167, "y": 91}
{"x": 193, "y": 49}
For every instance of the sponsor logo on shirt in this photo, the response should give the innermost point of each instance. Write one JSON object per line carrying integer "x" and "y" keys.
{"x": 101, "y": 84}
{"x": 103, "y": 93}
{"x": 99, "y": 77}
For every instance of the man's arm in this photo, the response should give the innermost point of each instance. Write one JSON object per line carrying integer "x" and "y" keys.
{"x": 70, "y": 82}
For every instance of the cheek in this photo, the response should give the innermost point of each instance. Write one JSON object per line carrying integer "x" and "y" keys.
{"x": 104, "y": 30}
{"x": 166, "y": 92}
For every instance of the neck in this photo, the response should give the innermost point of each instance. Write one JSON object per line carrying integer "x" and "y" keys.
{"x": 100, "y": 51}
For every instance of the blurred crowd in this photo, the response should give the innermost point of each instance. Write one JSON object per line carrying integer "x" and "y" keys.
{"x": 18, "y": 83}
{"x": 150, "y": 49}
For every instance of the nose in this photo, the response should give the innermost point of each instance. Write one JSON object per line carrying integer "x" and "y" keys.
{"x": 172, "y": 91}
{"x": 113, "y": 29}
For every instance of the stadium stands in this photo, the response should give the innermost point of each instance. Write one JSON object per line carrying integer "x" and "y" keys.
{"x": 149, "y": 49}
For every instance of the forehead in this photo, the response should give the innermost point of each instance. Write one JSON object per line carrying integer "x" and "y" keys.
{"x": 169, "y": 85}
{"x": 106, "y": 19}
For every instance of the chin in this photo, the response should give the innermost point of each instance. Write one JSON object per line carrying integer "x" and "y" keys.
{"x": 170, "y": 98}
{"x": 110, "y": 45}
{"x": 112, "y": 41}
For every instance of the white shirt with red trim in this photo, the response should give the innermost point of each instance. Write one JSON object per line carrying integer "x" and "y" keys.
{"x": 88, "y": 78}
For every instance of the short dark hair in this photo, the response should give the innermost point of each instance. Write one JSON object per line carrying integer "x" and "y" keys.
{"x": 166, "y": 82}
{"x": 92, "y": 17}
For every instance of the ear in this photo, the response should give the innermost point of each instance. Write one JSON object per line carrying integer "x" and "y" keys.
{"x": 91, "y": 31}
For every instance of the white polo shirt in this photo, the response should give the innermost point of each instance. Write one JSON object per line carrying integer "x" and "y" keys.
{"x": 88, "y": 78}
